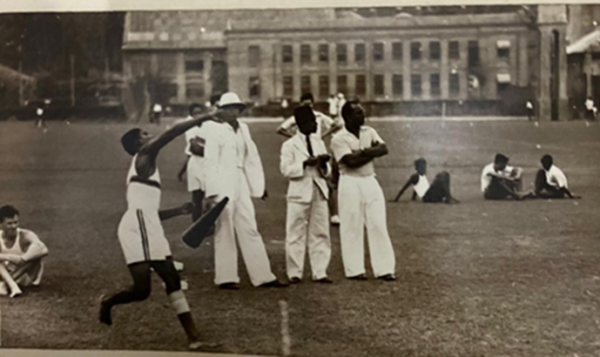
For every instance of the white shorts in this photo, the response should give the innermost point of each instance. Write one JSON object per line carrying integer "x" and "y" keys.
{"x": 195, "y": 174}
{"x": 142, "y": 237}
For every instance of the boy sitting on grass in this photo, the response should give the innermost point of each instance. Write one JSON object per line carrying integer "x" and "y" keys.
{"x": 437, "y": 192}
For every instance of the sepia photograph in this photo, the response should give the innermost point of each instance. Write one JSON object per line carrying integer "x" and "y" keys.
{"x": 332, "y": 181}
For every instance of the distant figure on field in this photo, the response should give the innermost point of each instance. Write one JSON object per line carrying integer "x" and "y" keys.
{"x": 500, "y": 181}
{"x": 590, "y": 109}
{"x": 21, "y": 254}
{"x": 530, "y": 110}
{"x": 551, "y": 182}
{"x": 437, "y": 192}
{"x": 157, "y": 111}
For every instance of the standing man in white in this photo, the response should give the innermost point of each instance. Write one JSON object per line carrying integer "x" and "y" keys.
{"x": 304, "y": 161}
{"x": 233, "y": 169}
{"x": 361, "y": 199}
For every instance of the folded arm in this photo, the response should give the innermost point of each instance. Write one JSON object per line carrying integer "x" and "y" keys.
{"x": 156, "y": 144}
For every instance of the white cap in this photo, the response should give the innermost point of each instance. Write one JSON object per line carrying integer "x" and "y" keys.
{"x": 231, "y": 99}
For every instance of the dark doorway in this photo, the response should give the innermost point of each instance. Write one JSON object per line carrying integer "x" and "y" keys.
{"x": 218, "y": 77}
{"x": 554, "y": 75}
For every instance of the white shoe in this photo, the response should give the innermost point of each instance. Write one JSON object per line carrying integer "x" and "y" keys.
{"x": 15, "y": 293}
{"x": 335, "y": 220}
{"x": 178, "y": 265}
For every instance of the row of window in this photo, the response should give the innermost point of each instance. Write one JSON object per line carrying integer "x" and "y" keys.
{"x": 360, "y": 85}
{"x": 378, "y": 52}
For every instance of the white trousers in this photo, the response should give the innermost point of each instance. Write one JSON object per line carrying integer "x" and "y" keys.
{"x": 361, "y": 202}
{"x": 238, "y": 219}
{"x": 308, "y": 221}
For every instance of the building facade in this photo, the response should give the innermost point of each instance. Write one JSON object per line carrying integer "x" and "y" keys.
{"x": 408, "y": 56}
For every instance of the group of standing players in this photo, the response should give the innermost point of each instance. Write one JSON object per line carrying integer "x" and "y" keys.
{"x": 222, "y": 161}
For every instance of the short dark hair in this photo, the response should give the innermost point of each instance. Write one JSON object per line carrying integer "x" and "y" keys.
{"x": 304, "y": 113}
{"x": 130, "y": 141}
{"x": 194, "y": 106}
{"x": 7, "y": 211}
{"x": 420, "y": 161}
{"x": 347, "y": 108}
{"x": 307, "y": 96}
{"x": 547, "y": 159}
{"x": 501, "y": 159}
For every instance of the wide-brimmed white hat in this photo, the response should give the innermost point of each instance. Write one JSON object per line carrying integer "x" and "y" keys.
{"x": 231, "y": 99}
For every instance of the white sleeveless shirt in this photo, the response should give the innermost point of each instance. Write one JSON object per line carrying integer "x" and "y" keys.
{"x": 16, "y": 248}
{"x": 142, "y": 193}
{"x": 422, "y": 186}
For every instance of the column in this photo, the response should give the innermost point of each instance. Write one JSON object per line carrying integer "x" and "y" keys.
{"x": 206, "y": 76}
{"x": 406, "y": 69}
{"x": 180, "y": 77}
{"x": 388, "y": 66}
{"x": 444, "y": 70}
{"x": 333, "y": 68}
{"x": 296, "y": 72}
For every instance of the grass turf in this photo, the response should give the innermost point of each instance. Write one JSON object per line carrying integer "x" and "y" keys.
{"x": 476, "y": 279}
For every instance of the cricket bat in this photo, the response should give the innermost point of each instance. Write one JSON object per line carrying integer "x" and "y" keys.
{"x": 195, "y": 234}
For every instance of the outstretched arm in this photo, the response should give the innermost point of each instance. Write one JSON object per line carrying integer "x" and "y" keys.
{"x": 155, "y": 145}
{"x": 404, "y": 188}
{"x": 169, "y": 213}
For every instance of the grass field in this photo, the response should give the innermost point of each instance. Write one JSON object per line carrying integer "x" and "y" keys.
{"x": 476, "y": 279}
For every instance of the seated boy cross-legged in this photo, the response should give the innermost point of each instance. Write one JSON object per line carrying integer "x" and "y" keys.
{"x": 551, "y": 182}
{"x": 500, "y": 181}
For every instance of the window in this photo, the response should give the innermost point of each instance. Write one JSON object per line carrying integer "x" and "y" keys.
{"x": 378, "y": 51}
{"x": 342, "y": 53}
{"x": 434, "y": 84}
{"x": 378, "y": 84}
{"x": 397, "y": 84}
{"x": 502, "y": 87}
{"x": 323, "y": 86}
{"x": 305, "y": 53}
{"x": 361, "y": 84}
{"x": 473, "y": 53}
{"x": 323, "y": 52}
{"x": 305, "y": 84}
{"x": 287, "y": 53}
{"x": 194, "y": 66}
{"x": 415, "y": 85}
{"x": 253, "y": 56}
{"x": 254, "y": 87}
{"x": 454, "y": 50}
{"x": 503, "y": 52}
{"x": 288, "y": 86}
{"x": 342, "y": 84}
{"x": 415, "y": 51}
{"x": 397, "y": 51}
{"x": 359, "y": 52}
{"x": 454, "y": 84}
{"x": 434, "y": 51}
{"x": 194, "y": 91}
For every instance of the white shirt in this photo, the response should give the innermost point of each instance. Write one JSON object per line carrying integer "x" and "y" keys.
{"x": 324, "y": 123}
{"x": 344, "y": 143}
{"x": 529, "y": 105}
{"x": 555, "y": 177}
{"x": 332, "y": 106}
{"x": 422, "y": 186}
{"x": 486, "y": 175}
{"x": 157, "y": 108}
{"x": 589, "y": 104}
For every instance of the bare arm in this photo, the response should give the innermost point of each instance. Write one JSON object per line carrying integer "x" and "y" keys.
{"x": 284, "y": 132}
{"x": 404, "y": 188}
{"x": 285, "y": 128}
{"x": 169, "y": 213}
{"x": 182, "y": 170}
{"x": 36, "y": 249}
{"x": 377, "y": 150}
{"x": 155, "y": 145}
{"x": 356, "y": 159}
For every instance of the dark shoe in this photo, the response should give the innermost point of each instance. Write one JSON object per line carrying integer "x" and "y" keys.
{"x": 388, "y": 277}
{"x": 358, "y": 277}
{"x": 295, "y": 280}
{"x": 274, "y": 284}
{"x": 229, "y": 286}
{"x": 105, "y": 313}
{"x": 324, "y": 280}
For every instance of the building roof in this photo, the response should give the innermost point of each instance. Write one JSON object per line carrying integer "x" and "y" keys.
{"x": 349, "y": 24}
{"x": 199, "y": 29}
{"x": 588, "y": 43}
